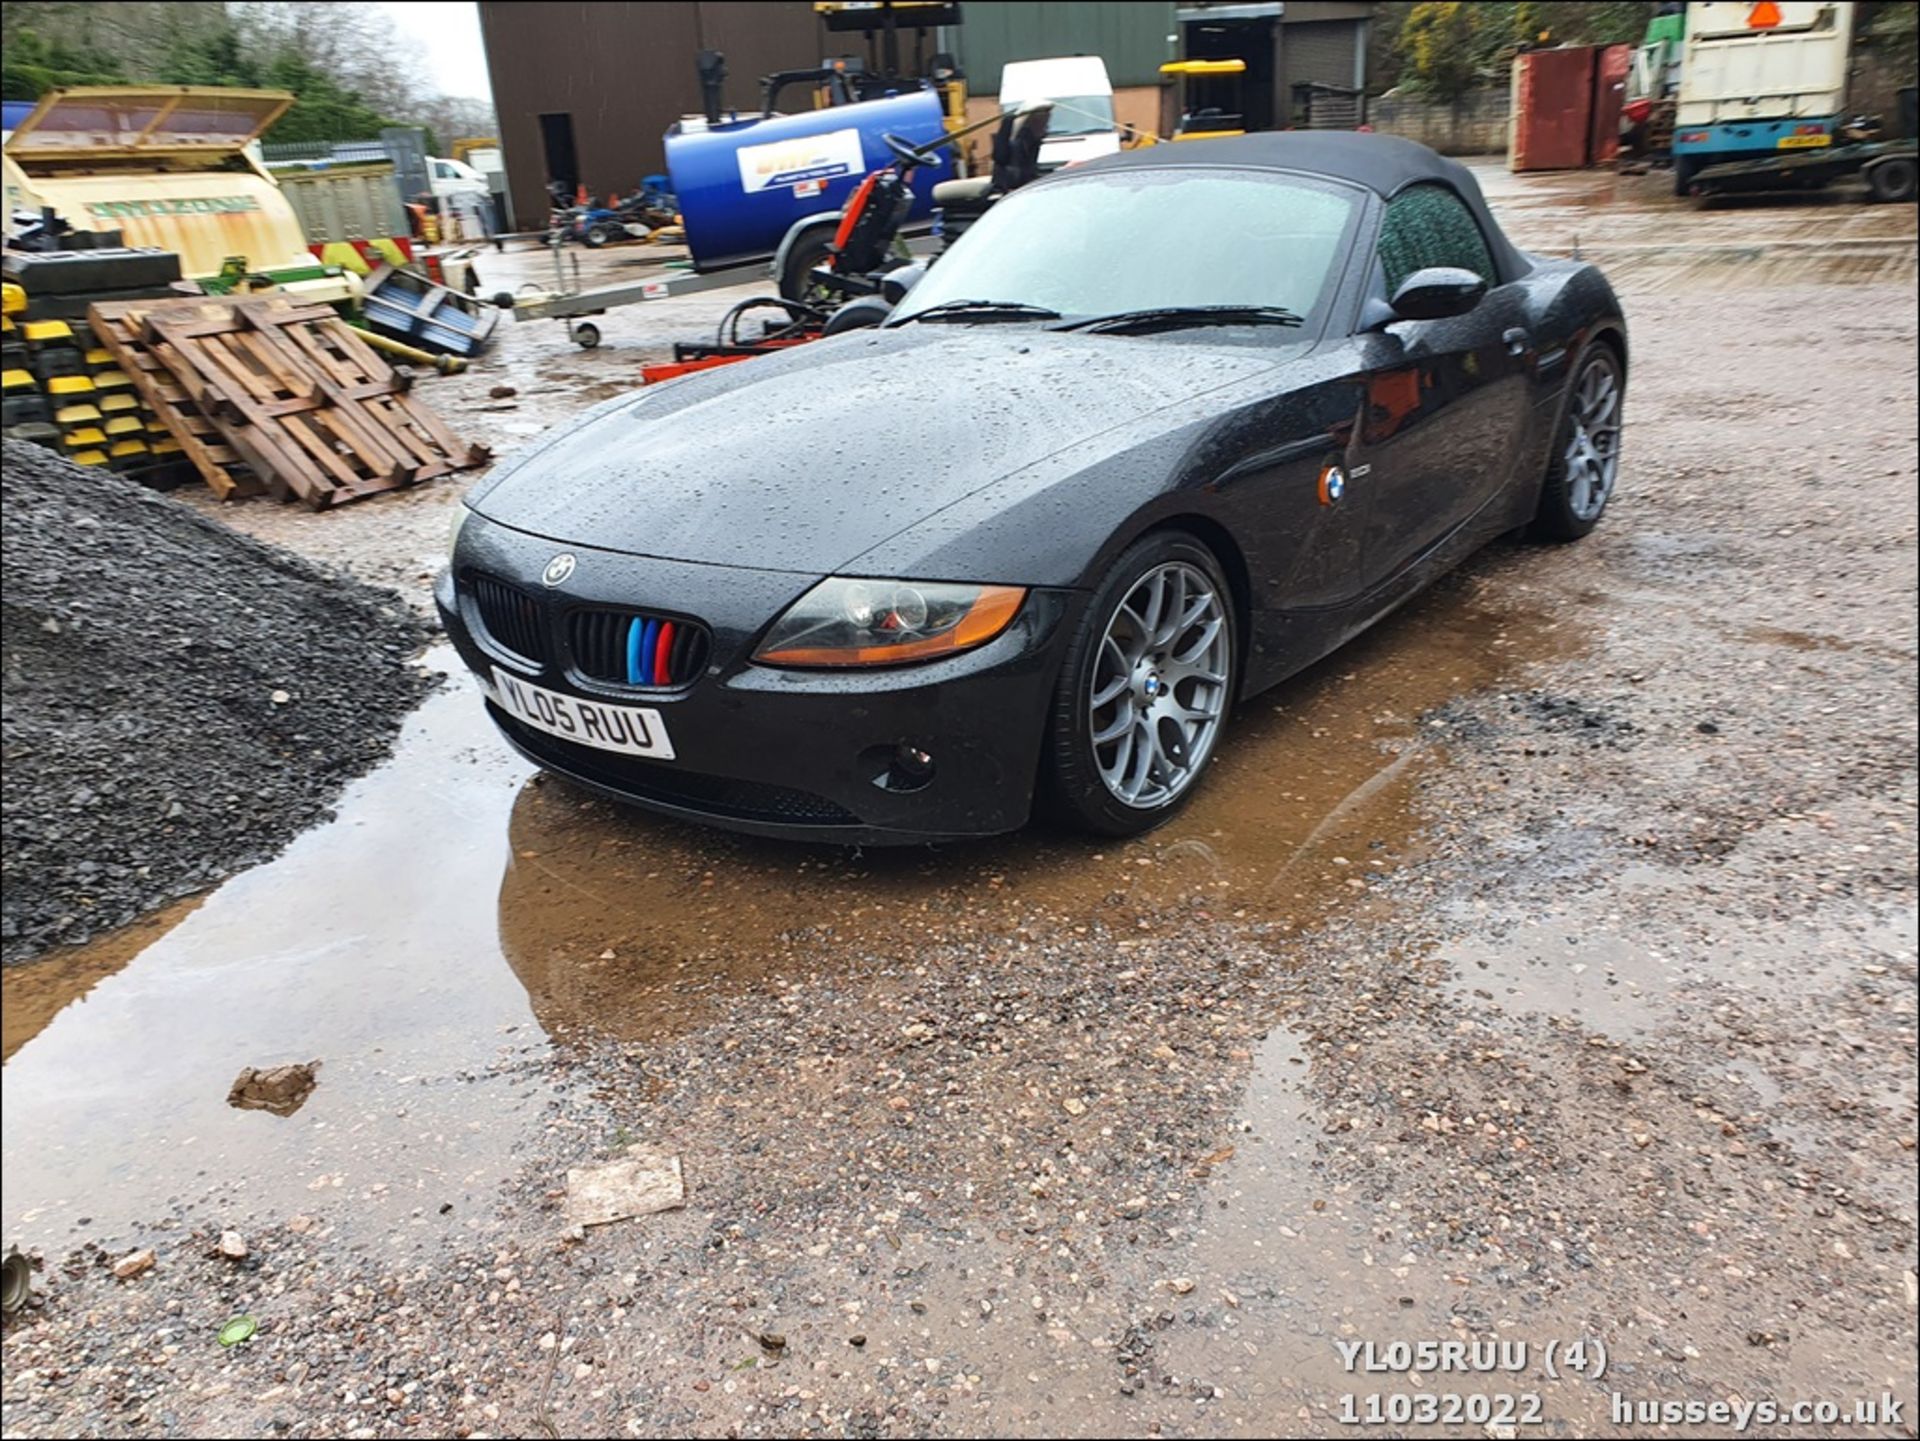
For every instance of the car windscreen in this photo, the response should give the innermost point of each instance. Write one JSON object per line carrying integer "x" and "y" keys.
{"x": 1074, "y": 114}
{"x": 1135, "y": 239}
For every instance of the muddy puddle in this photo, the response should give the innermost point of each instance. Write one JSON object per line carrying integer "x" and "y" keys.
{"x": 461, "y": 912}
{"x": 370, "y": 944}
{"x": 620, "y": 923}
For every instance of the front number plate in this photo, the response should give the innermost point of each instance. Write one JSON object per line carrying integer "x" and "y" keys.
{"x": 630, "y": 729}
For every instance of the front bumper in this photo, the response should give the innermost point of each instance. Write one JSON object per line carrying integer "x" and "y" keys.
{"x": 803, "y": 755}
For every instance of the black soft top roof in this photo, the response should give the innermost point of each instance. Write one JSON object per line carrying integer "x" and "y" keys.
{"x": 1384, "y": 164}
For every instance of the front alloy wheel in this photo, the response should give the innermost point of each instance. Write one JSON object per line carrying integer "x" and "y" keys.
{"x": 1146, "y": 688}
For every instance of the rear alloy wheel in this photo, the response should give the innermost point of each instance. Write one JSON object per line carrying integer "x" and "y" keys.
{"x": 1145, "y": 689}
{"x": 1586, "y": 452}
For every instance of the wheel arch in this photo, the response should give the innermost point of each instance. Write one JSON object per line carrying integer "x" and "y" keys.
{"x": 1613, "y": 334}
{"x": 1218, "y": 539}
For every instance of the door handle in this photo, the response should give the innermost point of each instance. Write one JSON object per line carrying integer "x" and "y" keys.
{"x": 1516, "y": 340}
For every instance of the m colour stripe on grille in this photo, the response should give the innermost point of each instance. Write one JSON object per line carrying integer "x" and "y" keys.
{"x": 637, "y": 650}
{"x": 649, "y": 650}
{"x": 661, "y": 672}
{"x": 630, "y": 648}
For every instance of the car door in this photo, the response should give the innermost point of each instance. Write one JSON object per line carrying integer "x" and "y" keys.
{"x": 1446, "y": 399}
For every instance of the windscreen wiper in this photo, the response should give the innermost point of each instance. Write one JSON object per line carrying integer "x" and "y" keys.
{"x": 981, "y": 310}
{"x": 1174, "y": 317}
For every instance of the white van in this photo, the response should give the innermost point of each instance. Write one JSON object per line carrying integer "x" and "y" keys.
{"x": 455, "y": 177}
{"x": 1081, "y": 125}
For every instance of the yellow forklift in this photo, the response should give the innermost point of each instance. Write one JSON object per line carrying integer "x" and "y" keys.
{"x": 884, "y": 67}
{"x": 1209, "y": 109}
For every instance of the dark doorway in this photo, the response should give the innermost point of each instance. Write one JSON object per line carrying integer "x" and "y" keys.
{"x": 1248, "y": 95}
{"x": 563, "y": 165}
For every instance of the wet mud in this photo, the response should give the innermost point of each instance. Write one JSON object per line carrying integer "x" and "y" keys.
{"x": 462, "y": 910}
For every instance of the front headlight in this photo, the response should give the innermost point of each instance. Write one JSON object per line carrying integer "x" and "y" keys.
{"x": 460, "y": 514}
{"x": 847, "y": 622}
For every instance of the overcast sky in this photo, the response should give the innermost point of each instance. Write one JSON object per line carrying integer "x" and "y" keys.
{"x": 449, "y": 33}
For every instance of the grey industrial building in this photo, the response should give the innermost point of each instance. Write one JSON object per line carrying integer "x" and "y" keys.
{"x": 584, "y": 89}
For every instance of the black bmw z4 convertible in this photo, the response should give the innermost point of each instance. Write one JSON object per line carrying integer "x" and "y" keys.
{"x": 1156, "y": 433}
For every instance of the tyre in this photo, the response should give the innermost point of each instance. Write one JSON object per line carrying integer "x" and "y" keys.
{"x": 1892, "y": 180}
{"x": 586, "y": 335}
{"x": 1144, "y": 690}
{"x": 1586, "y": 449}
{"x": 1684, "y": 167}
{"x": 860, "y": 314}
{"x": 597, "y": 236}
{"x": 808, "y": 254}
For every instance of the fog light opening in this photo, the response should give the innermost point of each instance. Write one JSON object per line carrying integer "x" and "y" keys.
{"x": 903, "y": 767}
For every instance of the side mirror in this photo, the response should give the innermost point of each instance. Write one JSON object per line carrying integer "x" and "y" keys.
{"x": 1437, "y": 292}
{"x": 895, "y": 284}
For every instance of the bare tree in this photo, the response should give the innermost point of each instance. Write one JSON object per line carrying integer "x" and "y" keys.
{"x": 354, "y": 43}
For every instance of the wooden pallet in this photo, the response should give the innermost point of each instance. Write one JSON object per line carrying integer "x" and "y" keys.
{"x": 295, "y": 392}
{"x": 119, "y": 327}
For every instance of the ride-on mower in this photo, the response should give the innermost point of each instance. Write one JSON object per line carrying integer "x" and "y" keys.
{"x": 866, "y": 243}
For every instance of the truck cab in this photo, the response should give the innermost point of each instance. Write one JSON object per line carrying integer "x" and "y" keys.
{"x": 1081, "y": 125}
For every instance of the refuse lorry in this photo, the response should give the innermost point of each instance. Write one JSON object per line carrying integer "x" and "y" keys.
{"x": 1762, "y": 105}
{"x": 1758, "y": 78}
{"x": 168, "y": 166}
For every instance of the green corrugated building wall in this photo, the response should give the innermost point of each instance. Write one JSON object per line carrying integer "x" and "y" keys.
{"x": 1132, "y": 38}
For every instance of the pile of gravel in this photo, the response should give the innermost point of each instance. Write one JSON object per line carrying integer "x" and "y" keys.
{"x": 180, "y": 701}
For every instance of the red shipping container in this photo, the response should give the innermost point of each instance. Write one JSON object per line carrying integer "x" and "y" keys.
{"x": 1552, "y": 109}
{"x": 1609, "y": 94}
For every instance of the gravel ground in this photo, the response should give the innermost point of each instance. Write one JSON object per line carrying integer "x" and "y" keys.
{"x": 1593, "y": 1016}
{"x": 180, "y": 700}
